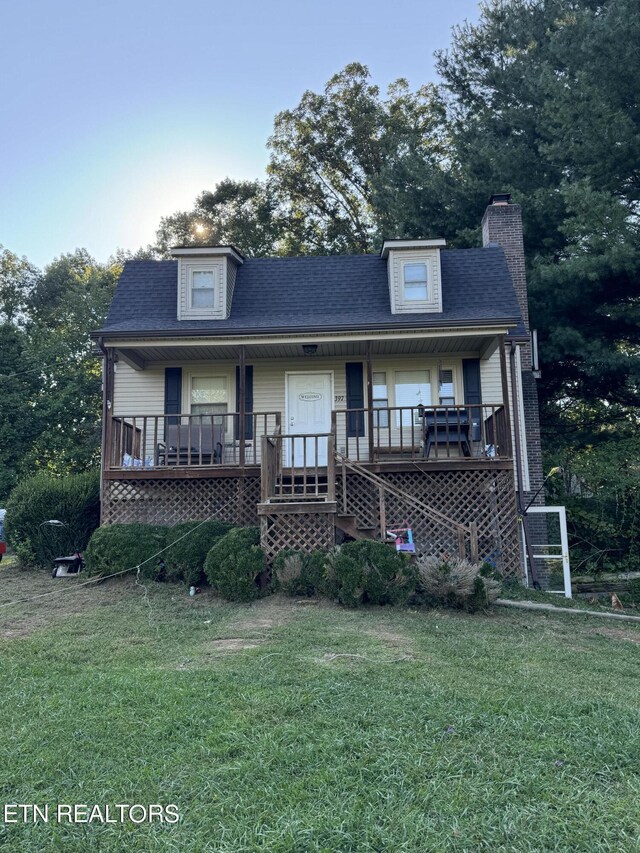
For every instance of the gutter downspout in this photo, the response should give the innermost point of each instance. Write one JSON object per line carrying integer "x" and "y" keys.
{"x": 522, "y": 512}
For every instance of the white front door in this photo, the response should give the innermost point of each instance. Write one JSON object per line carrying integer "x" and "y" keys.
{"x": 309, "y": 401}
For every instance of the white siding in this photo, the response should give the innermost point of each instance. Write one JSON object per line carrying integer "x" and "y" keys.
{"x": 138, "y": 392}
{"x": 219, "y": 265}
{"x": 232, "y": 270}
{"x": 491, "y": 378}
{"x": 396, "y": 289}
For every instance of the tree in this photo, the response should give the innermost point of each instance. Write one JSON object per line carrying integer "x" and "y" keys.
{"x": 542, "y": 100}
{"x": 336, "y": 159}
{"x": 69, "y": 301}
{"x": 245, "y": 214}
{"x": 17, "y": 279}
{"x": 19, "y": 415}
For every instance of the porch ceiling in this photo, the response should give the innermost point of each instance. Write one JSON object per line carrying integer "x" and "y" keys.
{"x": 145, "y": 354}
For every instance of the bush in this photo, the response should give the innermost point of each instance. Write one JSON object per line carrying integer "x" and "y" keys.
{"x": 185, "y": 561}
{"x": 74, "y": 500}
{"x": 297, "y": 573}
{"x": 453, "y": 582}
{"x": 116, "y": 547}
{"x": 315, "y": 571}
{"x": 368, "y": 572}
{"x": 235, "y": 566}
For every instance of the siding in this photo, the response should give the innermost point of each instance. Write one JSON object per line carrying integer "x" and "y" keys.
{"x": 394, "y": 266}
{"x": 491, "y": 379}
{"x": 185, "y": 312}
{"x": 231, "y": 269}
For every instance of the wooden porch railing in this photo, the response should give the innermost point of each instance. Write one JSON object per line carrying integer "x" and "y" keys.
{"x": 188, "y": 441}
{"x": 424, "y": 433}
{"x": 298, "y": 468}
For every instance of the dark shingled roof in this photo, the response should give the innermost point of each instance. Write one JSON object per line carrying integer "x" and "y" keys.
{"x": 320, "y": 293}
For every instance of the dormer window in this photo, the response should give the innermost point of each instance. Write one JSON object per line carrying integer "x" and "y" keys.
{"x": 206, "y": 281}
{"x": 416, "y": 282}
{"x": 203, "y": 289}
{"x": 413, "y": 267}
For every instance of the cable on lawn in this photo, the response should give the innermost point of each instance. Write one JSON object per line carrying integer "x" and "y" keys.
{"x": 135, "y": 568}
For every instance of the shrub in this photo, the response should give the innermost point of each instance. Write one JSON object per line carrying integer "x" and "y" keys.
{"x": 235, "y": 566}
{"x": 116, "y": 547}
{"x": 368, "y": 572}
{"x": 315, "y": 570}
{"x": 453, "y": 582}
{"x": 297, "y": 573}
{"x": 74, "y": 500}
{"x": 185, "y": 560}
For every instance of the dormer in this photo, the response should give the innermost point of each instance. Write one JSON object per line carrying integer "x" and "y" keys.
{"x": 206, "y": 279}
{"x": 413, "y": 270}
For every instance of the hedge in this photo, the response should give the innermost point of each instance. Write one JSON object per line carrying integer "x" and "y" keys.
{"x": 297, "y": 573}
{"x": 116, "y": 547}
{"x": 235, "y": 566}
{"x": 369, "y": 572}
{"x": 185, "y": 561}
{"x": 73, "y": 500}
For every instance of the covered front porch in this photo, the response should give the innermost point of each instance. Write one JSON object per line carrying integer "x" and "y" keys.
{"x": 194, "y": 409}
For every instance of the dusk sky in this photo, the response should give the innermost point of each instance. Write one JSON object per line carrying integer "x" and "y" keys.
{"x": 116, "y": 114}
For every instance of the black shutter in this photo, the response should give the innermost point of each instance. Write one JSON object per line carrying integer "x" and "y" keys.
{"x": 172, "y": 393}
{"x": 248, "y": 401}
{"x": 355, "y": 398}
{"x": 472, "y": 393}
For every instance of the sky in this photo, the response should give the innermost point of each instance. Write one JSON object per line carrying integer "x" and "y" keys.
{"x": 115, "y": 114}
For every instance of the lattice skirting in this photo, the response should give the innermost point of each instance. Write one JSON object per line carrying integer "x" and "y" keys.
{"x": 306, "y": 532}
{"x": 170, "y": 502}
{"x": 484, "y": 497}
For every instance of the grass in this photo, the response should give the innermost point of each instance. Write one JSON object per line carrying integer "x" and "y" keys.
{"x": 281, "y": 727}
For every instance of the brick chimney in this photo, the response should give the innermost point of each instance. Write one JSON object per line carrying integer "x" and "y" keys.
{"x": 502, "y": 224}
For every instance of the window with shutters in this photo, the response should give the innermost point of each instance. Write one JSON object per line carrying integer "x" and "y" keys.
{"x": 209, "y": 396}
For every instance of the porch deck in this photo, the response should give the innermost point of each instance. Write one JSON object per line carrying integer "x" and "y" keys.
{"x": 448, "y": 469}
{"x": 186, "y": 445}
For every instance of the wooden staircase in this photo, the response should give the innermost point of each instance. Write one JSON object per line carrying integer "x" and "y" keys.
{"x": 348, "y": 524}
{"x": 347, "y": 521}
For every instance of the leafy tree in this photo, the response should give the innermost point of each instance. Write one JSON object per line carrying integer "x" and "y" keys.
{"x": 70, "y": 300}
{"x": 331, "y": 156}
{"x": 245, "y": 214}
{"x": 17, "y": 279}
{"x": 20, "y": 419}
{"x": 542, "y": 100}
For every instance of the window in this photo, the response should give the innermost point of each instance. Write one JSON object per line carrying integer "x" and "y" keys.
{"x": 203, "y": 289}
{"x": 446, "y": 395}
{"x": 415, "y": 282}
{"x": 380, "y": 400}
{"x": 209, "y": 397}
{"x": 413, "y": 388}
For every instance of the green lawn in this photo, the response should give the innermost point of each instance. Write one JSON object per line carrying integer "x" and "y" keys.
{"x": 282, "y": 727}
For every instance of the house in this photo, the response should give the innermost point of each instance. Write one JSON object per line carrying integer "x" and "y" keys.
{"x": 327, "y": 397}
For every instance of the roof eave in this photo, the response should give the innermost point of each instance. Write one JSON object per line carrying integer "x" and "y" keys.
{"x": 511, "y": 322}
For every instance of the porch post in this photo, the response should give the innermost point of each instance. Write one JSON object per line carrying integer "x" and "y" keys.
{"x": 107, "y": 408}
{"x": 505, "y": 392}
{"x": 242, "y": 403}
{"x": 369, "y": 400}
